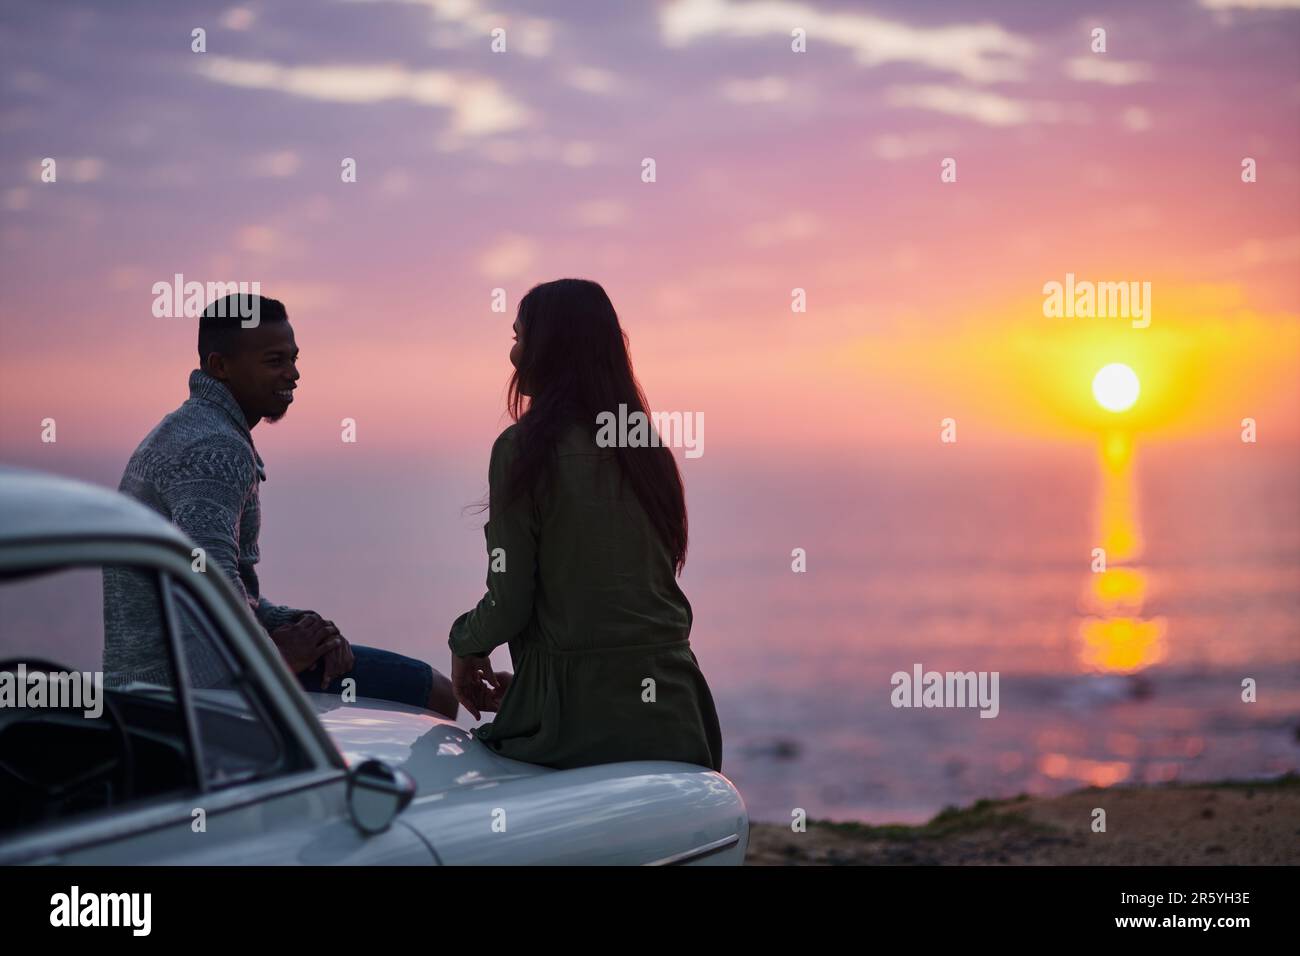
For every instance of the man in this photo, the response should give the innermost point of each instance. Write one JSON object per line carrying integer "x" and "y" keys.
{"x": 200, "y": 469}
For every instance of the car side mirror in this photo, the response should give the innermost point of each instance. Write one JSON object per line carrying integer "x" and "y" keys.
{"x": 377, "y": 793}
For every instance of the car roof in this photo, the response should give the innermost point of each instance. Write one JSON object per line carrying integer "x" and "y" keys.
{"x": 38, "y": 506}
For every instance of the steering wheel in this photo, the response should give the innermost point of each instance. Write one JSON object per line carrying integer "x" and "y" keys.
{"x": 55, "y": 793}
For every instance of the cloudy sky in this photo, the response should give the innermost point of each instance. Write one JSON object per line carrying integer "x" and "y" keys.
{"x": 775, "y": 170}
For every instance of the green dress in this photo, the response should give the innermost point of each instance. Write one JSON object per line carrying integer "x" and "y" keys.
{"x": 582, "y": 589}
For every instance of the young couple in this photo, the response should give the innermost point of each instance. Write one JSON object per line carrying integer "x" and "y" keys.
{"x": 584, "y": 544}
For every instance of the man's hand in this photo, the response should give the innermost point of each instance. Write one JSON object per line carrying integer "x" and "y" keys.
{"x": 467, "y": 682}
{"x": 339, "y": 659}
{"x": 304, "y": 642}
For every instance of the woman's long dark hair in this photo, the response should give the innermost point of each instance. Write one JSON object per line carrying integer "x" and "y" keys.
{"x": 574, "y": 365}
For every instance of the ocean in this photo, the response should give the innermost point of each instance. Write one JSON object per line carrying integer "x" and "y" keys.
{"x": 957, "y": 561}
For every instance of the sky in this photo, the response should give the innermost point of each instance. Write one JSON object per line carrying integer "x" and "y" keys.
{"x": 774, "y": 171}
{"x": 844, "y": 257}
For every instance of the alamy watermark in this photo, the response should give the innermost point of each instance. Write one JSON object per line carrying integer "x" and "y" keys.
{"x": 948, "y": 689}
{"x": 1098, "y": 300}
{"x": 639, "y": 430}
{"x": 75, "y": 908}
{"x": 179, "y": 299}
{"x": 65, "y": 690}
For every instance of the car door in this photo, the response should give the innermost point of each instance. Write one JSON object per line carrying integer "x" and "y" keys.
{"x": 219, "y": 770}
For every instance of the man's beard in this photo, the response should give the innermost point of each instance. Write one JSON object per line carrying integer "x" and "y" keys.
{"x": 272, "y": 419}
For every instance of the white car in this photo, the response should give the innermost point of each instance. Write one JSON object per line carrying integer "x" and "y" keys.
{"x": 248, "y": 769}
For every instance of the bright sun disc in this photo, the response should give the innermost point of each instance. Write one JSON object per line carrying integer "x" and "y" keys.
{"x": 1115, "y": 387}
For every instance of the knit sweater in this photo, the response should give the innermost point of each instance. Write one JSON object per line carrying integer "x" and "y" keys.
{"x": 199, "y": 469}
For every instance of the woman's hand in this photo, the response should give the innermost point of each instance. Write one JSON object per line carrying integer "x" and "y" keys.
{"x": 468, "y": 677}
{"x": 503, "y": 683}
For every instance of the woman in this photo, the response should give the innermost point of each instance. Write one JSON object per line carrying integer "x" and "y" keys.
{"x": 584, "y": 545}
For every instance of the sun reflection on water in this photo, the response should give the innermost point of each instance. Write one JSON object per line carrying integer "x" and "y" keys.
{"x": 1114, "y": 637}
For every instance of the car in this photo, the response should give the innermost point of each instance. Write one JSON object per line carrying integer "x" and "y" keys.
{"x": 217, "y": 756}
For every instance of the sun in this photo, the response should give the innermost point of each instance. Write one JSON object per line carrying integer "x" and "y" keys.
{"x": 1115, "y": 387}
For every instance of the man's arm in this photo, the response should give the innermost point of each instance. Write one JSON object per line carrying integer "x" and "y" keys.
{"x": 272, "y": 616}
{"x": 205, "y": 490}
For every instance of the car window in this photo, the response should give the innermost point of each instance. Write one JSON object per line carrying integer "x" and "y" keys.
{"x": 237, "y": 740}
{"x": 88, "y": 715}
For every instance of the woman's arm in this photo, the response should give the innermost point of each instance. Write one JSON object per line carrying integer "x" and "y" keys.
{"x": 511, "y": 535}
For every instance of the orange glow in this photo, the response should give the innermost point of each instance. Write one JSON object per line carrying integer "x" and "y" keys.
{"x": 1122, "y": 644}
{"x": 1097, "y": 773}
{"x": 1116, "y": 639}
{"x": 1119, "y": 536}
{"x": 1117, "y": 452}
{"x": 1117, "y": 518}
{"x": 1119, "y": 588}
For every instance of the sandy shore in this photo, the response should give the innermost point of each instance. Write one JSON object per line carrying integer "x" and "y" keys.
{"x": 1221, "y": 823}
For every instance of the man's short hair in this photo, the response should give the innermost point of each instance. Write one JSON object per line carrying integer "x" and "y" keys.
{"x": 223, "y": 319}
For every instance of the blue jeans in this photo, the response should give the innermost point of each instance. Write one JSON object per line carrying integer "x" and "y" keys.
{"x": 379, "y": 674}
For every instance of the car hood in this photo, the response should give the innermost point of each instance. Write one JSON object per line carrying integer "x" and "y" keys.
{"x": 437, "y": 753}
{"x": 648, "y": 811}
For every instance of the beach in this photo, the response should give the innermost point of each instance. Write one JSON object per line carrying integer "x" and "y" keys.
{"x": 1228, "y": 823}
